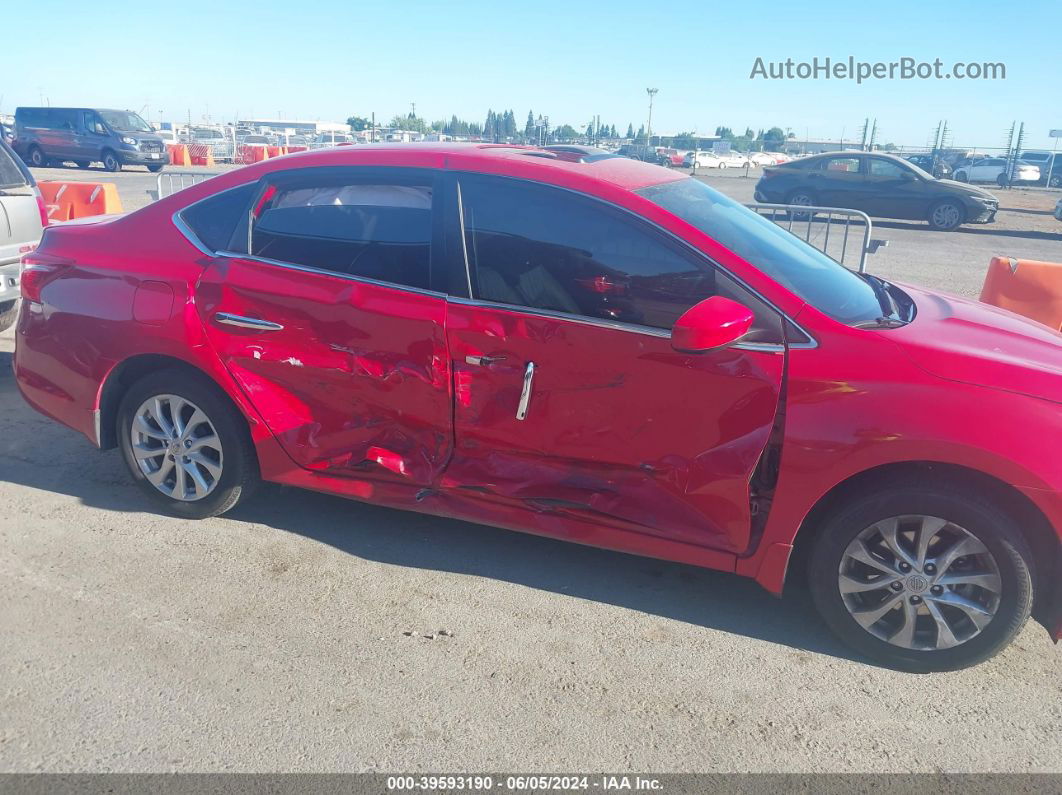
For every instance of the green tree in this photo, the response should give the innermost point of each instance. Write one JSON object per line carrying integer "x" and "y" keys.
{"x": 529, "y": 128}
{"x": 641, "y": 132}
{"x": 358, "y": 123}
{"x": 773, "y": 139}
{"x": 630, "y": 131}
{"x": 725, "y": 133}
{"x": 565, "y": 133}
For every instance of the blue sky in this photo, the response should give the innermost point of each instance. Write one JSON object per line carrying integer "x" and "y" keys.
{"x": 327, "y": 60}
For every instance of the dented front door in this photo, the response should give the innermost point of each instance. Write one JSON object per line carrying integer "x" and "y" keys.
{"x": 618, "y": 427}
{"x": 351, "y": 376}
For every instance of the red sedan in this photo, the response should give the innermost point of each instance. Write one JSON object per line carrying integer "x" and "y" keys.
{"x": 581, "y": 346}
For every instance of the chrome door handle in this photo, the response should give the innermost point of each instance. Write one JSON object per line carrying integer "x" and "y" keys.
{"x": 483, "y": 361}
{"x": 525, "y": 392}
{"x": 246, "y": 322}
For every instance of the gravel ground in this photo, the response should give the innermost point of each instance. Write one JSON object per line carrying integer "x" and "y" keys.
{"x": 305, "y": 632}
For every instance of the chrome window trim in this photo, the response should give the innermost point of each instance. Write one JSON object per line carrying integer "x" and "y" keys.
{"x": 551, "y": 314}
{"x": 810, "y": 343}
{"x": 323, "y": 272}
{"x": 186, "y": 230}
{"x": 189, "y": 235}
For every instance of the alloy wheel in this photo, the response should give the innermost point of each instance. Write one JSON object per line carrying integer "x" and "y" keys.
{"x": 920, "y": 582}
{"x": 946, "y": 216}
{"x": 177, "y": 447}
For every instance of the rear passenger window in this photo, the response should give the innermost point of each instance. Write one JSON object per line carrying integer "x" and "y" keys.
{"x": 213, "y": 220}
{"x": 373, "y": 230}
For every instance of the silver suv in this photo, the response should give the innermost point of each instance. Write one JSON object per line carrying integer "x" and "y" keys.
{"x": 22, "y": 220}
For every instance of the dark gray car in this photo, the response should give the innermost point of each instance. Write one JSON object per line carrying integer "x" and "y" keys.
{"x": 87, "y": 135}
{"x": 22, "y": 218}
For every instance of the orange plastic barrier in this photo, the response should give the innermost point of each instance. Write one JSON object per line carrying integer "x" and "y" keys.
{"x": 293, "y": 149}
{"x": 201, "y": 155}
{"x": 274, "y": 151}
{"x": 251, "y": 154}
{"x": 179, "y": 154}
{"x": 66, "y": 201}
{"x": 1027, "y": 287}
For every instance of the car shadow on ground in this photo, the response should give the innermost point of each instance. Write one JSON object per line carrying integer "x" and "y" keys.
{"x": 987, "y": 229}
{"x": 41, "y": 454}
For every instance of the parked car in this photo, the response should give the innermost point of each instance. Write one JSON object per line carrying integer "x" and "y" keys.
{"x": 7, "y": 133}
{"x": 763, "y": 158}
{"x": 83, "y": 136}
{"x": 670, "y": 157}
{"x": 24, "y": 216}
{"x": 994, "y": 169}
{"x": 641, "y": 152}
{"x": 702, "y": 159}
{"x": 168, "y": 137}
{"x": 882, "y": 186}
{"x": 256, "y": 141}
{"x": 1050, "y": 167}
{"x": 333, "y": 139}
{"x": 619, "y": 356}
{"x": 935, "y": 166}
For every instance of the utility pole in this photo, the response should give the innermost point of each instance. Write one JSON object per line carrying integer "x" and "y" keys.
{"x": 873, "y": 135}
{"x": 413, "y": 110}
{"x": 372, "y": 130}
{"x": 649, "y": 132}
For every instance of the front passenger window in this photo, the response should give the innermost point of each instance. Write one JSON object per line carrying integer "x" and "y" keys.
{"x": 545, "y": 248}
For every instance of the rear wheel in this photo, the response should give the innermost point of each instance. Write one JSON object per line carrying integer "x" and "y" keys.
{"x": 111, "y": 161}
{"x": 922, "y": 578}
{"x": 1056, "y": 181}
{"x": 1001, "y": 180}
{"x": 722, "y": 166}
{"x": 801, "y": 198}
{"x": 37, "y": 158}
{"x": 186, "y": 445}
{"x": 8, "y": 315}
{"x": 961, "y": 176}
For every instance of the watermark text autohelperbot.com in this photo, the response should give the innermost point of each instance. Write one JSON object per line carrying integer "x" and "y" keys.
{"x": 859, "y": 71}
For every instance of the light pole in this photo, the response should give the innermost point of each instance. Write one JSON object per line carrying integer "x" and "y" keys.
{"x": 649, "y": 133}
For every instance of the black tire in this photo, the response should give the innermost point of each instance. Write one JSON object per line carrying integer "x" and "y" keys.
{"x": 110, "y": 161}
{"x": 1001, "y": 180}
{"x": 946, "y": 215}
{"x": 1056, "y": 181}
{"x": 37, "y": 158}
{"x": 82, "y": 163}
{"x": 239, "y": 476}
{"x": 800, "y": 196}
{"x": 993, "y": 527}
{"x": 722, "y": 166}
{"x": 8, "y": 315}
{"x": 960, "y": 176}
{"x": 155, "y": 168}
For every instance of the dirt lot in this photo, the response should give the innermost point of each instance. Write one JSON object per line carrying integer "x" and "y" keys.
{"x": 278, "y": 637}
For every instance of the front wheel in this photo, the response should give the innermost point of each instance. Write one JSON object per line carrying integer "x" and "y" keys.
{"x": 921, "y": 578}
{"x": 945, "y": 216}
{"x": 111, "y": 161}
{"x": 186, "y": 445}
{"x": 1001, "y": 180}
{"x": 155, "y": 168}
{"x": 961, "y": 176}
{"x": 1056, "y": 181}
{"x": 722, "y": 166}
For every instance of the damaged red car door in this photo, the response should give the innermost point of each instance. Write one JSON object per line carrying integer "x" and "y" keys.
{"x": 569, "y": 397}
{"x": 324, "y": 315}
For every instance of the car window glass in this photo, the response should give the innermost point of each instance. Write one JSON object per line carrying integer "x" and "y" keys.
{"x": 544, "y": 248}
{"x": 885, "y": 168}
{"x": 10, "y": 174}
{"x": 377, "y": 231}
{"x": 213, "y": 220}
{"x": 849, "y": 165}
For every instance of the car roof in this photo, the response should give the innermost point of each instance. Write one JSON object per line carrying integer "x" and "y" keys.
{"x": 532, "y": 162}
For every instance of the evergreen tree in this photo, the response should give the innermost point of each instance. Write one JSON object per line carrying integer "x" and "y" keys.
{"x": 630, "y": 131}
{"x": 529, "y": 128}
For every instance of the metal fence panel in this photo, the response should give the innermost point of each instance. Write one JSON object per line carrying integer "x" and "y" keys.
{"x": 838, "y": 233}
{"x": 169, "y": 182}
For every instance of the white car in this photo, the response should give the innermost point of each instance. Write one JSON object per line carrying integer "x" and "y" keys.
{"x": 707, "y": 159}
{"x": 763, "y": 159}
{"x": 993, "y": 169}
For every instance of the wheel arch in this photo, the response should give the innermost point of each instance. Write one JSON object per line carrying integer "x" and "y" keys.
{"x": 1035, "y": 526}
{"x": 127, "y": 372}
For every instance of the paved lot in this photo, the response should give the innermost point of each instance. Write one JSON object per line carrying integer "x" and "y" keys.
{"x": 276, "y": 638}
